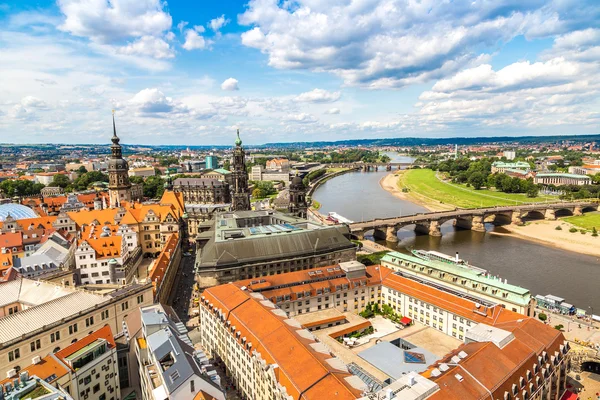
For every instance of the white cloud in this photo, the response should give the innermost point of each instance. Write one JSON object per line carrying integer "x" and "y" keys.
{"x": 302, "y": 118}
{"x": 217, "y": 23}
{"x": 333, "y": 111}
{"x": 181, "y": 25}
{"x": 230, "y": 84}
{"x": 153, "y": 101}
{"x": 318, "y": 96}
{"x": 33, "y": 102}
{"x": 148, "y": 46}
{"x": 395, "y": 43}
{"x": 193, "y": 40}
{"x": 111, "y": 21}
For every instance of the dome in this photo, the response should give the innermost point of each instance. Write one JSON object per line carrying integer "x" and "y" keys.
{"x": 297, "y": 183}
{"x": 17, "y": 211}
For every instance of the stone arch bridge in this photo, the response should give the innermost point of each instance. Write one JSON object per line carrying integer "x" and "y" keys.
{"x": 474, "y": 219}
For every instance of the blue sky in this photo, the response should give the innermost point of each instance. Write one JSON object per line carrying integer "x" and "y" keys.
{"x": 191, "y": 72}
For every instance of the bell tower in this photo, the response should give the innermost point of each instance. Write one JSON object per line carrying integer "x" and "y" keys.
{"x": 119, "y": 187}
{"x": 240, "y": 195}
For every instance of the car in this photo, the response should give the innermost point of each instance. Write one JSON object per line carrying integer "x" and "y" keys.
{"x": 187, "y": 254}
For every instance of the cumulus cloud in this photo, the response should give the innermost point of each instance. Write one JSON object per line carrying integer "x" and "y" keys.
{"x": 112, "y": 21}
{"x": 333, "y": 111}
{"x": 148, "y": 46}
{"x": 152, "y": 101}
{"x": 318, "y": 96}
{"x": 33, "y": 102}
{"x": 394, "y": 43}
{"x": 230, "y": 84}
{"x": 193, "y": 40}
{"x": 302, "y": 118}
{"x": 217, "y": 23}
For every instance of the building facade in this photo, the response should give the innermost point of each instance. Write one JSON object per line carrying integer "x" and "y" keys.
{"x": 504, "y": 355}
{"x": 465, "y": 279}
{"x": 40, "y": 318}
{"x": 298, "y": 205}
{"x": 203, "y": 190}
{"x": 251, "y": 244}
{"x": 559, "y": 179}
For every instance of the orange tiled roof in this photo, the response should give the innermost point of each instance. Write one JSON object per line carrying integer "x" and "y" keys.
{"x": 302, "y": 370}
{"x": 47, "y": 367}
{"x": 105, "y": 247}
{"x": 11, "y": 240}
{"x": 102, "y": 333}
{"x": 86, "y": 217}
{"x": 159, "y": 268}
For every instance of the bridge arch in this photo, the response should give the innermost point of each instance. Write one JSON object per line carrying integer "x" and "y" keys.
{"x": 589, "y": 209}
{"x": 563, "y": 212}
{"x": 533, "y": 214}
{"x": 499, "y": 219}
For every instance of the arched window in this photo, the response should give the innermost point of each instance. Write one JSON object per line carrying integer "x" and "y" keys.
{"x": 56, "y": 350}
{"x": 73, "y": 341}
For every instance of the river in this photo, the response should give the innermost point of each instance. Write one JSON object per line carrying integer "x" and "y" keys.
{"x": 541, "y": 269}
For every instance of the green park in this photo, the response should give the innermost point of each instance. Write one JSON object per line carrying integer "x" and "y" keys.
{"x": 427, "y": 186}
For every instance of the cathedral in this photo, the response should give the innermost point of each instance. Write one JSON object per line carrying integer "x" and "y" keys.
{"x": 119, "y": 187}
{"x": 240, "y": 195}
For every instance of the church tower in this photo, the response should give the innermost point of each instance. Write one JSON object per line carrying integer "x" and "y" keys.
{"x": 240, "y": 195}
{"x": 298, "y": 204}
{"x": 119, "y": 187}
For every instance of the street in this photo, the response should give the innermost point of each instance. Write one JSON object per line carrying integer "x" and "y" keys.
{"x": 182, "y": 292}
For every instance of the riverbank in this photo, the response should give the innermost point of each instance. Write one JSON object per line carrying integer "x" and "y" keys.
{"x": 389, "y": 183}
{"x": 545, "y": 233}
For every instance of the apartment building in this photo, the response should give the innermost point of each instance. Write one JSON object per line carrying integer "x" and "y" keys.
{"x": 39, "y": 318}
{"x": 107, "y": 254}
{"x": 504, "y": 354}
{"x": 169, "y": 367}
{"x": 92, "y": 366}
{"x": 465, "y": 279}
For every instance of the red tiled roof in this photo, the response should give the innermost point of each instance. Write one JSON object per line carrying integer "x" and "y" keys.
{"x": 102, "y": 333}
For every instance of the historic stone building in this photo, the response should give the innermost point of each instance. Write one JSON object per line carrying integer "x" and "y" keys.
{"x": 119, "y": 187}
{"x": 240, "y": 195}
{"x": 297, "y": 205}
{"x": 202, "y": 190}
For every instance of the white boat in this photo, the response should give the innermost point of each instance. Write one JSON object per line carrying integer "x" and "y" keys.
{"x": 437, "y": 256}
{"x": 335, "y": 217}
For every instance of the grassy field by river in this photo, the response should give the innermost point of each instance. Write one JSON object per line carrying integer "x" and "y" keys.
{"x": 424, "y": 183}
{"x": 586, "y": 221}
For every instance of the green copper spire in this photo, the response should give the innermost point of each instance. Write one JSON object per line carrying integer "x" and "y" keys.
{"x": 238, "y": 141}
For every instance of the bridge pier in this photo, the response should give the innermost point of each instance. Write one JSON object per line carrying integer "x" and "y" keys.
{"x": 550, "y": 214}
{"x": 577, "y": 210}
{"x": 477, "y": 223}
{"x": 434, "y": 228}
{"x": 391, "y": 234}
{"x": 516, "y": 218}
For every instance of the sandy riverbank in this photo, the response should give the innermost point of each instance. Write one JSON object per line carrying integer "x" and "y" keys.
{"x": 389, "y": 183}
{"x": 544, "y": 232}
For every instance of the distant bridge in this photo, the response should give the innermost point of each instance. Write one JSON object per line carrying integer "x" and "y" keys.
{"x": 371, "y": 166}
{"x": 474, "y": 219}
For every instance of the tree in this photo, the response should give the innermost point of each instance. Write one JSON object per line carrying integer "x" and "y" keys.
{"x": 61, "y": 180}
{"x": 154, "y": 187}
{"x": 532, "y": 191}
{"x": 258, "y": 193}
{"x": 542, "y": 317}
{"x": 82, "y": 170}
{"x": 477, "y": 180}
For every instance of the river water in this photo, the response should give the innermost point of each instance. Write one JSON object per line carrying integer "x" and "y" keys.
{"x": 543, "y": 270}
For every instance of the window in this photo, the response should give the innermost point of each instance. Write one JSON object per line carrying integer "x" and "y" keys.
{"x": 140, "y": 299}
{"x": 89, "y": 321}
{"x": 124, "y": 306}
{"x": 96, "y": 388}
{"x": 54, "y": 337}
{"x": 104, "y": 314}
{"x": 72, "y": 329}
{"x": 14, "y": 355}
{"x": 35, "y": 345}
{"x": 192, "y": 386}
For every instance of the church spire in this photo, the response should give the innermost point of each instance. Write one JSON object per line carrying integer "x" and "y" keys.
{"x": 115, "y": 138}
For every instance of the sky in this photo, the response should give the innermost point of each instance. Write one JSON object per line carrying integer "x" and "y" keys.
{"x": 194, "y": 71}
